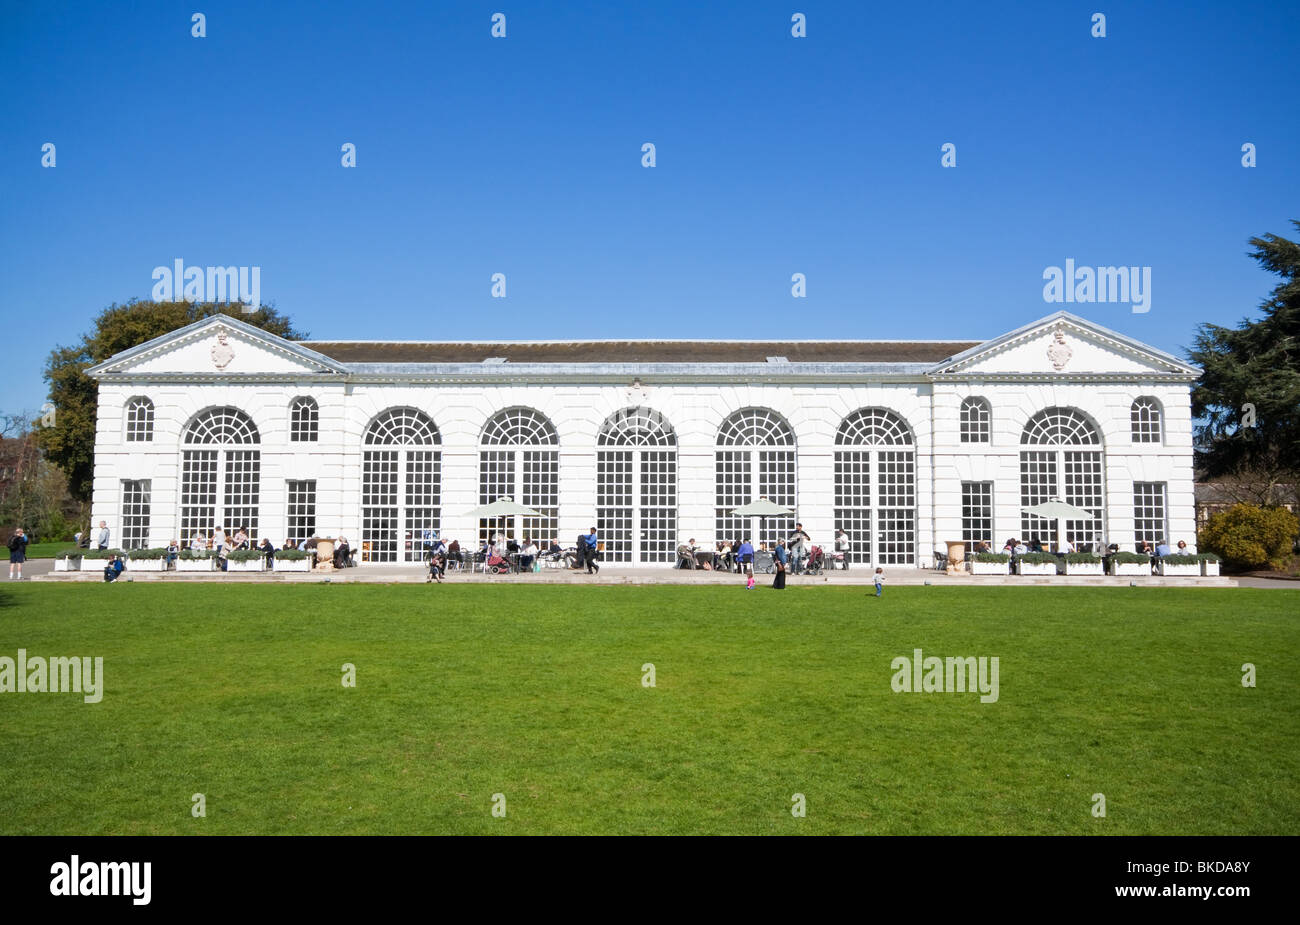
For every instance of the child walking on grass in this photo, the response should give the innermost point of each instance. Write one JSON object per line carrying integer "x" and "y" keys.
{"x": 880, "y": 580}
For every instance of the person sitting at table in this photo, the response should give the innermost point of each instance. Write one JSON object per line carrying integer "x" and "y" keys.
{"x": 1182, "y": 548}
{"x": 723, "y": 559}
{"x": 198, "y": 543}
{"x": 527, "y": 555}
{"x": 1066, "y": 548}
{"x": 342, "y": 553}
{"x": 1162, "y": 549}
{"x": 268, "y": 551}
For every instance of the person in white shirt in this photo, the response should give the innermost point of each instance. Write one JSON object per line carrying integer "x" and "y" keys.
{"x": 219, "y": 541}
{"x": 842, "y": 547}
{"x": 197, "y": 544}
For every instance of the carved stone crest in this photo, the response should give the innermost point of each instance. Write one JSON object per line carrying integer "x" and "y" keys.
{"x": 222, "y": 352}
{"x": 1059, "y": 351}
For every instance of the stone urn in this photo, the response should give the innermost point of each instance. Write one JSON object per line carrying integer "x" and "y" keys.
{"x": 325, "y": 554}
{"x": 956, "y": 557}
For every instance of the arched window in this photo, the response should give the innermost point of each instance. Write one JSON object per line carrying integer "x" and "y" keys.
{"x": 220, "y": 473}
{"x": 636, "y": 487}
{"x": 139, "y": 420}
{"x": 519, "y": 459}
{"x": 401, "y": 486}
{"x": 1065, "y": 465}
{"x": 976, "y": 420}
{"x": 304, "y": 420}
{"x": 1146, "y": 420}
{"x": 755, "y": 459}
{"x": 875, "y": 487}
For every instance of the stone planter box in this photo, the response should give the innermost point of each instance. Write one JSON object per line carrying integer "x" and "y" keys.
{"x": 1083, "y": 568}
{"x": 1130, "y": 568}
{"x": 252, "y": 565}
{"x": 1209, "y": 569}
{"x": 1035, "y": 568}
{"x": 93, "y": 565}
{"x": 291, "y": 565}
{"x": 146, "y": 565}
{"x": 194, "y": 565}
{"x": 73, "y": 565}
{"x": 1171, "y": 570}
{"x": 989, "y": 568}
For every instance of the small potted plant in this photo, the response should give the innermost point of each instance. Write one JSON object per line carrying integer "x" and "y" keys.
{"x": 246, "y": 560}
{"x": 1036, "y": 563}
{"x": 291, "y": 560}
{"x": 1179, "y": 565}
{"x": 1209, "y": 564}
{"x": 990, "y": 563}
{"x": 191, "y": 560}
{"x": 1130, "y": 563}
{"x": 1083, "y": 563}
{"x": 69, "y": 561}
{"x": 146, "y": 560}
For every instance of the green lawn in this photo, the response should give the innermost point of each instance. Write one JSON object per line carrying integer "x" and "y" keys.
{"x": 48, "y": 550}
{"x": 464, "y": 691}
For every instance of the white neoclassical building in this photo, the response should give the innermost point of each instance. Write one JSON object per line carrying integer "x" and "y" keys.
{"x": 904, "y": 444}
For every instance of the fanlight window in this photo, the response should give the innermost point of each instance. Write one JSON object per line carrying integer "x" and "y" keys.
{"x": 304, "y": 420}
{"x": 874, "y": 427}
{"x": 402, "y": 427}
{"x": 1060, "y": 427}
{"x": 519, "y": 427}
{"x": 755, "y": 427}
{"x": 139, "y": 420}
{"x": 636, "y": 427}
{"x": 222, "y": 426}
{"x": 975, "y": 420}
{"x": 1146, "y": 420}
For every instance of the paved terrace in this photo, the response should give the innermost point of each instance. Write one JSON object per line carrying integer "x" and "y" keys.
{"x": 615, "y": 575}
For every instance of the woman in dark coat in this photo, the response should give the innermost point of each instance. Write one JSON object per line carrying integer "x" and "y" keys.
{"x": 780, "y": 559}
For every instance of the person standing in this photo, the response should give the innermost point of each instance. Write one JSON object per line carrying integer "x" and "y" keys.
{"x": 879, "y": 578}
{"x": 592, "y": 550}
{"x": 780, "y": 558}
{"x": 102, "y": 539}
{"x": 842, "y": 547}
{"x": 800, "y": 545}
{"x": 17, "y": 553}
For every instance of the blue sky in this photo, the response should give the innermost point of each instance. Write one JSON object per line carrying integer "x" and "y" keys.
{"x": 522, "y": 156}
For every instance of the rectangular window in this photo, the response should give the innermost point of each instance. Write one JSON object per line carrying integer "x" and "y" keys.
{"x": 1149, "y": 512}
{"x": 243, "y": 478}
{"x": 976, "y": 513}
{"x": 135, "y": 514}
{"x": 300, "y": 514}
{"x": 198, "y": 494}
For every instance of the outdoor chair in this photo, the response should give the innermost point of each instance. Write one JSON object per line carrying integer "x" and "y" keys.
{"x": 685, "y": 559}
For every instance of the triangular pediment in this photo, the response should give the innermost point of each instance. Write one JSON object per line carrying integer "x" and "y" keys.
{"x": 1064, "y": 345}
{"x": 218, "y": 346}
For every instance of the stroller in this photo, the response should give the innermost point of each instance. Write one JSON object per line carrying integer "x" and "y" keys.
{"x": 815, "y": 562}
{"x": 497, "y": 565}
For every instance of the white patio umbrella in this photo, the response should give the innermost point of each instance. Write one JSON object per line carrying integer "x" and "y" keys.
{"x": 1060, "y": 512}
{"x": 762, "y": 509}
{"x": 504, "y": 507}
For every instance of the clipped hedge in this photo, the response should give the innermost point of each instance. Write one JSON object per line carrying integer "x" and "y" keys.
{"x": 1207, "y": 557}
{"x": 71, "y": 554}
{"x": 152, "y": 553}
{"x": 1081, "y": 558}
{"x": 1000, "y": 557}
{"x": 1250, "y": 537}
{"x": 244, "y": 555}
{"x": 1036, "y": 558}
{"x": 190, "y": 555}
{"x": 1130, "y": 557}
{"x": 101, "y": 553}
{"x": 290, "y": 555}
{"x": 1179, "y": 560}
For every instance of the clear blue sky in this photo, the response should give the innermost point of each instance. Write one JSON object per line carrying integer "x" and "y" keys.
{"x": 522, "y": 156}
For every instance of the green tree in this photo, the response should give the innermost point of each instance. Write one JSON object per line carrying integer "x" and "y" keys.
{"x": 69, "y": 442}
{"x": 1249, "y": 395}
{"x": 1247, "y": 536}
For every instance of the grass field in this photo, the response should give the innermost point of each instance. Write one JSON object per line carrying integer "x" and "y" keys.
{"x": 47, "y": 550}
{"x": 536, "y": 693}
